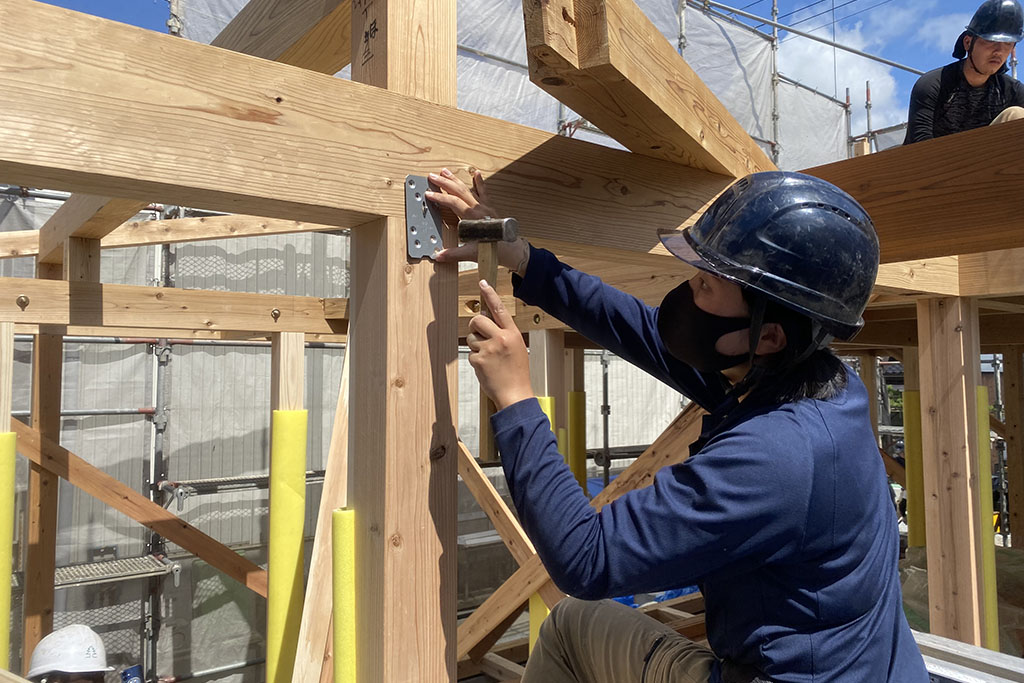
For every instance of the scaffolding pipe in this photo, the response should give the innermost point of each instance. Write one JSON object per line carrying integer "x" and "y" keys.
{"x": 606, "y": 411}
{"x": 809, "y": 36}
{"x": 241, "y": 343}
{"x": 775, "y": 83}
{"x": 867, "y": 107}
{"x": 849, "y": 126}
{"x": 91, "y": 412}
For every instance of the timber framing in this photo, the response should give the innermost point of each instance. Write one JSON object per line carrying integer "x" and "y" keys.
{"x": 285, "y": 149}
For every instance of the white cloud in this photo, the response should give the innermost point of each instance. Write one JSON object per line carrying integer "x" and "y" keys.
{"x": 833, "y": 71}
{"x": 941, "y": 32}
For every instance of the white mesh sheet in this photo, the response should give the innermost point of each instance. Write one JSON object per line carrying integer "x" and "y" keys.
{"x": 812, "y": 131}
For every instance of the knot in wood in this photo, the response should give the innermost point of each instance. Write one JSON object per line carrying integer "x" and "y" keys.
{"x": 395, "y": 541}
{"x": 438, "y": 452}
{"x": 398, "y": 382}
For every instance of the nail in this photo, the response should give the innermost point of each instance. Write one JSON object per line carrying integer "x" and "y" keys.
{"x": 433, "y": 176}
{"x": 445, "y": 171}
{"x": 483, "y": 283}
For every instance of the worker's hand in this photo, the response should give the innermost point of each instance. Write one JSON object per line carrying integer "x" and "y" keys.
{"x": 498, "y": 353}
{"x": 470, "y": 203}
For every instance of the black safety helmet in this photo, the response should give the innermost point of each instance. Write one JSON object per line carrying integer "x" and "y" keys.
{"x": 1000, "y": 21}
{"x": 795, "y": 239}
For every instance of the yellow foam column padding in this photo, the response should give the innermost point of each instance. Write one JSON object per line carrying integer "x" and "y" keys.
{"x": 563, "y": 443}
{"x": 577, "y": 450}
{"x": 988, "y": 540}
{"x": 538, "y": 609}
{"x": 343, "y": 538}
{"x": 287, "y": 516}
{"x": 7, "y": 440}
{"x": 912, "y": 453}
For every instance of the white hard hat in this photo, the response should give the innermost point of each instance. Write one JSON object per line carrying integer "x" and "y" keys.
{"x": 72, "y": 649}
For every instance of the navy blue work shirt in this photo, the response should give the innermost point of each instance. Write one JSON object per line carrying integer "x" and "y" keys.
{"x": 783, "y": 517}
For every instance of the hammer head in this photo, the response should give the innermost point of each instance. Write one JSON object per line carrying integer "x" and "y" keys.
{"x": 489, "y": 230}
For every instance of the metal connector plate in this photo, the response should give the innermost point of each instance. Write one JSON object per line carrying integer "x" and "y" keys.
{"x": 423, "y": 223}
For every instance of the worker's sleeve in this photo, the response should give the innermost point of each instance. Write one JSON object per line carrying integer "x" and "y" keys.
{"x": 1016, "y": 94}
{"x": 923, "y": 101}
{"x": 617, "y": 321}
{"x": 738, "y": 503}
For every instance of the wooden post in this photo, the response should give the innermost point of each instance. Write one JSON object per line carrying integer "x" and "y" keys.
{"x": 547, "y": 370}
{"x": 869, "y": 375}
{"x": 41, "y": 535}
{"x": 1013, "y": 403}
{"x": 912, "y": 448}
{"x": 403, "y": 337}
{"x": 950, "y": 374}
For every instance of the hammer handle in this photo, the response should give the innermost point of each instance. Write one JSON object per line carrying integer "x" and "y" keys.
{"x": 487, "y": 267}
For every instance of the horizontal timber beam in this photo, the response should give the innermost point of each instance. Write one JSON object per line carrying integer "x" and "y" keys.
{"x": 170, "y": 231}
{"x": 306, "y": 33}
{"x": 609, "y": 63}
{"x": 958, "y": 194}
{"x": 304, "y": 146}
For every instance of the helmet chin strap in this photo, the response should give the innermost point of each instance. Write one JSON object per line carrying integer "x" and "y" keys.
{"x": 758, "y": 371}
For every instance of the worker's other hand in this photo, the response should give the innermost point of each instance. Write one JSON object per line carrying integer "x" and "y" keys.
{"x": 470, "y": 203}
{"x": 497, "y": 353}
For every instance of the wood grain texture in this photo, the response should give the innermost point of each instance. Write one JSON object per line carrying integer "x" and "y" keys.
{"x": 43, "y": 485}
{"x": 93, "y": 304}
{"x": 321, "y": 131}
{"x": 915, "y": 194}
{"x": 6, "y": 370}
{"x": 992, "y": 273}
{"x": 950, "y": 372}
{"x": 315, "y": 651}
{"x": 83, "y": 215}
{"x": 669, "y": 448}
{"x": 287, "y": 370}
{"x": 270, "y": 28}
{"x": 624, "y": 77}
{"x": 105, "y": 488}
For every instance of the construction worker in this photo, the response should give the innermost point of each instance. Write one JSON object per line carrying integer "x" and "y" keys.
{"x": 781, "y": 513}
{"x": 73, "y": 654}
{"x": 975, "y": 90}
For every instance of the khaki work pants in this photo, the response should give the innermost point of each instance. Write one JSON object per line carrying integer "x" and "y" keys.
{"x": 1009, "y": 114}
{"x": 607, "y": 642}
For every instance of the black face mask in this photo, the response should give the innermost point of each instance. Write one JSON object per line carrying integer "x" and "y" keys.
{"x": 690, "y": 333}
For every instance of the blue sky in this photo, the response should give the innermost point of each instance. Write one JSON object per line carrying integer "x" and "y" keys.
{"x": 151, "y": 14}
{"x": 917, "y": 33}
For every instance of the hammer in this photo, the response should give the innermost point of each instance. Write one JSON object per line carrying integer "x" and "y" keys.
{"x": 487, "y": 232}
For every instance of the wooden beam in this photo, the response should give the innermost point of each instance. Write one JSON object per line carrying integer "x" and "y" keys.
{"x": 316, "y": 628}
{"x": 319, "y": 130}
{"x": 123, "y": 498}
{"x": 271, "y": 28}
{"x": 505, "y": 523}
{"x": 669, "y": 448}
{"x": 915, "y": 193}
{"x": 500, "y": 669}
{"x": 950, "y": 373}
{"x": 404, "y": 380}
{"x": 608, "y": 62}
{"x": 1013, "y": 405}
{"x": 91, "y": 304}
{"x": 305, "y": 38}
{"x": 992, "y": 273}
{"x": 82, "y": 215}
{"x": 939, "y": 275}
{"x": 171, "y": 231}
{"x": 547, "y": 370}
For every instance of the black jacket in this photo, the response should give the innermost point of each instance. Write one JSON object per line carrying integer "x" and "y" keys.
{"x": 943, "y": 102}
